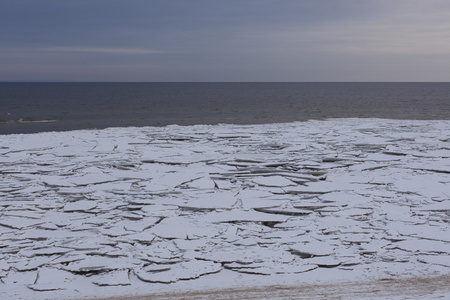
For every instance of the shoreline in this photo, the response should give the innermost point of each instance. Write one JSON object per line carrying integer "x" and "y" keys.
{"x": 42, "y": 126}
{"x": 434, "y": 286}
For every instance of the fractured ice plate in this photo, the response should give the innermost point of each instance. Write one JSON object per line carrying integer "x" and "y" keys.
{"x": 313, "y": 249}
{"x": 273, "y": 181}
{"x": 81, "y": 205}
{"x": 91, "y": 179}
{"x": 180, "y": 271}
{"x": 284, "y": 211}
{"x": 242, "y": 216}
{"x": 113, "y": 278}
{"x": 19, "y": 222}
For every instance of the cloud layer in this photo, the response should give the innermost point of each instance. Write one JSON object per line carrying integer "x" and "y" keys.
{"x": 204, "y": 40}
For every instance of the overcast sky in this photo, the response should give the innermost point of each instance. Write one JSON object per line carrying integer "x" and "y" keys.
{"x": 225, "y": 40}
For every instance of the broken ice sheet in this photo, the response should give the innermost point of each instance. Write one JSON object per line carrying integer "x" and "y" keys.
{"x": 82, "y": 205}
{"x": 138, "y": 225}
{"x": 312, "y": 249}
{"x": 274, "y": 181}
{"x": 242, "y": 216}
{"x": 208, "y": 201}
{"x": 181, "y": 271}
{"x": 354, "y": 212}
{"x": 184, "y": 228}
{"x": 48, "y": 279}
{"x": 345, "y": 198}
{"x": 57, "y": 181}
{"x": 15, "y": 278}
{"x": 44, "y": 251}
{"x": 441, "y": 207}
{"x": 425, "y": 185}
{"x": 19, "y": 222}
{"x": 23, "y": 214}
{"x": 284, "y": 209}
{"x": 201, "y": 183}
{"x": 4, "y": 268}
{"x": 208, "y": 183}
{"x": 325, "y": 262}
{"x": 372, "y": 247}
{"x": 166, "y": 249}
{"x": 442, "y": 260}
{"x": 421, "y": 246}
{"x": 269, "y": 266}
{"x": 253, "y": 256}
{"x": 114, "y": 278}
{"x": 98, "y": 264}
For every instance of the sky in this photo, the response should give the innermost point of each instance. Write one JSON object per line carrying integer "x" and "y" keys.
{"x": 225, "y": 40}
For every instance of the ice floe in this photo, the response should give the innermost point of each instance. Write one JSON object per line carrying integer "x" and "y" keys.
{"x": 141, "y": 210}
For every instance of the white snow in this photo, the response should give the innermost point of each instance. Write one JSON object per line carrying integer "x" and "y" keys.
{"x": 135, "y": 211}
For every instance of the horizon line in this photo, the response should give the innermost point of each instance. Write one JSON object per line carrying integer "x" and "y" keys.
{"x": 104, "y": 81}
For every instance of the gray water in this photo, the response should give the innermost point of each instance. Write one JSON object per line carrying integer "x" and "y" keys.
{"x": 35, "y": 107}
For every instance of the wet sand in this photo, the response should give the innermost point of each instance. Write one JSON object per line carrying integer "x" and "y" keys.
{"x": 410, "y": 288}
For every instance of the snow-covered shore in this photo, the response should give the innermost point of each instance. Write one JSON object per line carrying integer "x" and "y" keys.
{"x": 133, "y": 211}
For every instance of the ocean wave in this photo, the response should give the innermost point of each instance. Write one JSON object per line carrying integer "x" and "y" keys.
{"x": 27, "y": 120}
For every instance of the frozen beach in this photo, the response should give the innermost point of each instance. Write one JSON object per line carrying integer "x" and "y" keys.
{"x": 150, "y": 210}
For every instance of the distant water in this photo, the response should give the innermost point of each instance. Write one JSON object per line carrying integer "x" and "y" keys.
{"x": 35, "y": 107}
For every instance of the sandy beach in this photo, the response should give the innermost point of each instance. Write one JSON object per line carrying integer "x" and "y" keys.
{"x": 412, "y": 288}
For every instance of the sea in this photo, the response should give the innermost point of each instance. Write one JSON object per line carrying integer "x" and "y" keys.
{"x": 46, "y": 106}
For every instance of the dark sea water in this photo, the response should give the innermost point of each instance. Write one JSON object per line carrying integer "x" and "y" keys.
{"x": 35, "y": 107}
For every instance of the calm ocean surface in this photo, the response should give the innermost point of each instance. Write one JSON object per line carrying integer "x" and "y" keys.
{"x": 35, "y": 107}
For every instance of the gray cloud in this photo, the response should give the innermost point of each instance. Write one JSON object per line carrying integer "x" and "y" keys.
{"x": 212, "y": 40}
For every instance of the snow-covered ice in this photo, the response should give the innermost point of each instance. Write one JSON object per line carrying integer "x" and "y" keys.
{"x": 134, "y": 211}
